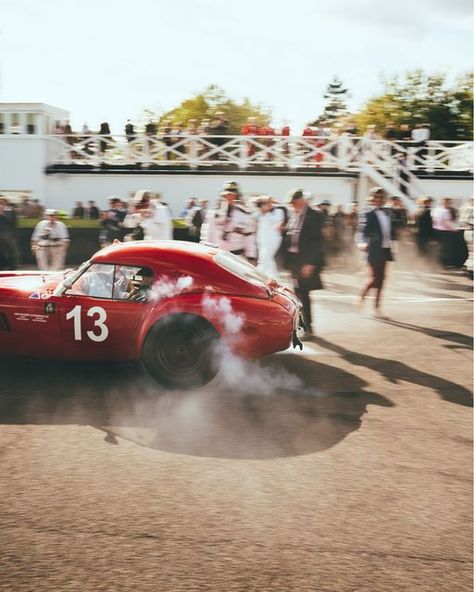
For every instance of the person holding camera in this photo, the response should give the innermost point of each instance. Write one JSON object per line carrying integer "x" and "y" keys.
{"x": 49, "y": 242}
{"x": 230, "y": 225}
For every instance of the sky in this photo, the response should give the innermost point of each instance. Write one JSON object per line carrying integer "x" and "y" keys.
{"x": 106, "y": 60}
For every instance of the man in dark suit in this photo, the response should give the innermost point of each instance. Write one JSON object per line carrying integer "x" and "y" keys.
{"x": 197, "y": 220}
{"x": 304, "y": 247}
{"x": 375, "y": 236}
{"x": 424, "y": 226}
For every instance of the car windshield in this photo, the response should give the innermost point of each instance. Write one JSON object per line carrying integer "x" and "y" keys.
{"x": 70, "y": 277}
{"x": 241, "y": 268}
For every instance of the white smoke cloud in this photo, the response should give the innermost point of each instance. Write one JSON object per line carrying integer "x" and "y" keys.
{"x": 220, "y": 308}
{"x": 249, "y": 376}
{"x": 235, "y": 372}
{"x": 166, "y": 287}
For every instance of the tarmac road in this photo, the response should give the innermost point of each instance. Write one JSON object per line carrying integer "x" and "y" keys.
{"x": 345, "y": 467}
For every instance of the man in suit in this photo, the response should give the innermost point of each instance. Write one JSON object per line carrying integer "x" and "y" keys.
{"x": 375, "y": 236}
{"x": 197, "y": 219}
{"x": 304, "y": 246}
{"x": 424, "y": 226}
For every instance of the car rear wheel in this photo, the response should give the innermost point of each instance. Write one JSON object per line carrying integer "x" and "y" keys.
{"x": 180, "y": 351}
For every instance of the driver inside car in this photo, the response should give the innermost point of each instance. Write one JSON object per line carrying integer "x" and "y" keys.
{"x": 142, "y": 284}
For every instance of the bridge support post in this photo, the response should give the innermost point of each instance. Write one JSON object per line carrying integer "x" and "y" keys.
{"x": 362, "y": 188}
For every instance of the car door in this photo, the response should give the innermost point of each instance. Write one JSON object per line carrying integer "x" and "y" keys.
{"x": 99, "y": 319}
{"x": 29, "y": 324}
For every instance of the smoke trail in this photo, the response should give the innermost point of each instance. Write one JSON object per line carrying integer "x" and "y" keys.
{"x": 236, "y": 373}
{"x": 221, "y": 309}
{"x": 166, "y": 287}
{"x": 247, "y": 376}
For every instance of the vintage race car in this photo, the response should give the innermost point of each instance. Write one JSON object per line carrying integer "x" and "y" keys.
{"x": 176, "y": 306}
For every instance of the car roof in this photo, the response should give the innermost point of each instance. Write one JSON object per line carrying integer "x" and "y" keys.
{"x": 160, "y": 250}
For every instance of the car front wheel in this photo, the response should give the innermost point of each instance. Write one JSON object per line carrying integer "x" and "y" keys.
{"x": 180, "y": 351}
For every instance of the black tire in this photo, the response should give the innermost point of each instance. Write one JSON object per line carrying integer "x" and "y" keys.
{"x": 180, "y": 351}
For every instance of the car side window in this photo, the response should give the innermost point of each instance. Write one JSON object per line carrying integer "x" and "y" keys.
{"x": 114, "y": 282}
{"x": 96, "y": 281}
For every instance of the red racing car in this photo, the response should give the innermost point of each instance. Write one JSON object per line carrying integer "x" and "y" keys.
{"x": 174, "y": 305}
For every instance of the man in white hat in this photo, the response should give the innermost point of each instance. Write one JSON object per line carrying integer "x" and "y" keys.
{"x": 231, "y": 225}
{"x": 49, "y": 242}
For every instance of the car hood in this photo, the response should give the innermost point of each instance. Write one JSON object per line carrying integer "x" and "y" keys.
{"x": 27, "y": 283}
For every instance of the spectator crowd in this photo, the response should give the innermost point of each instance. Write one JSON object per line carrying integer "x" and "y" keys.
{"x": 258, "y": 228}
{"x": 185, "y": 141}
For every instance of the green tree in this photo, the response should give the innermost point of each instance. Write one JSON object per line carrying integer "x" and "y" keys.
{"x": 423, "y": 98}
{"x": 212, "y": 101}
{"x": 335, "y": 107}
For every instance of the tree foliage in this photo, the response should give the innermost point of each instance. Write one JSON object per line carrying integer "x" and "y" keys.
{"x": 335, "y": 105}
{"x": 213, "y": 100}
{"x": 423, "y": 98}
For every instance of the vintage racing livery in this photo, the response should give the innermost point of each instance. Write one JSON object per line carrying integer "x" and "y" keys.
{"x": 173, "y": 305}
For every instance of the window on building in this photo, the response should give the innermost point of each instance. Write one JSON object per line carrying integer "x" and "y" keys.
{"x": 15, "y": 126}
{"x": 31, "y": 123}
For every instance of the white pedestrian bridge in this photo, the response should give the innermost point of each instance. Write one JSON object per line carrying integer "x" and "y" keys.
{"x": 395, "y": 165}
{"x": 60, "y": 170}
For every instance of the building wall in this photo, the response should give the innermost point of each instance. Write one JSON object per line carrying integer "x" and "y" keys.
{"x": 22, "y": 164}
{"x": 63, "y": 190}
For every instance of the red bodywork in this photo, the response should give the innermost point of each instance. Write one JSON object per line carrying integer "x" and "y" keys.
{"x": 39, "y": 318}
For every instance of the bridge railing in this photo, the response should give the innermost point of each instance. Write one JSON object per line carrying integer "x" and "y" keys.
{"x": 345, "y": 153}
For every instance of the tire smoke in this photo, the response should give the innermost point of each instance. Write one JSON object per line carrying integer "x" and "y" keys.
{"x": 167, "y": 287}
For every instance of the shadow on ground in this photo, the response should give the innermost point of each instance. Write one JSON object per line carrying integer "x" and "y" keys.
{"x": 323, "y": 406}
{"x": 396, "y": 372}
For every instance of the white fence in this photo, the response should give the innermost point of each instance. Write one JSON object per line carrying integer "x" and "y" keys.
{"x": 344, "y": 153}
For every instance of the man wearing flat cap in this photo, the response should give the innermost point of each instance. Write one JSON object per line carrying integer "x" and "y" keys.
{"x": 49, "y": 242}
{"x": 304, "y": 246}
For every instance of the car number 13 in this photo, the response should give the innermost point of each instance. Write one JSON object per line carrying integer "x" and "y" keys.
{"x": 99, "y": 323}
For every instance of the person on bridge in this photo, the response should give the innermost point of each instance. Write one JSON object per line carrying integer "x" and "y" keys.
{"x": 375, "y": 236}
{"x": 251, "y": 128}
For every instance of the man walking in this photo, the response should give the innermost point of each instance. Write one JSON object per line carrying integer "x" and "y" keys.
{"x": 376, "y": 234}
{"x": 305, "y": 252}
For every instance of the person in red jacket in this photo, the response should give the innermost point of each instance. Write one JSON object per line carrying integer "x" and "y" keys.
{"x": 285, "y": 132}
{"x": 250, "y": 129}
{"x": 308, "y": 132}
{"x": 267, "y": 130}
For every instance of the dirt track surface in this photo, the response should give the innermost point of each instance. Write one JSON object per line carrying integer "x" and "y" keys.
{"x": 345, "y": 467}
